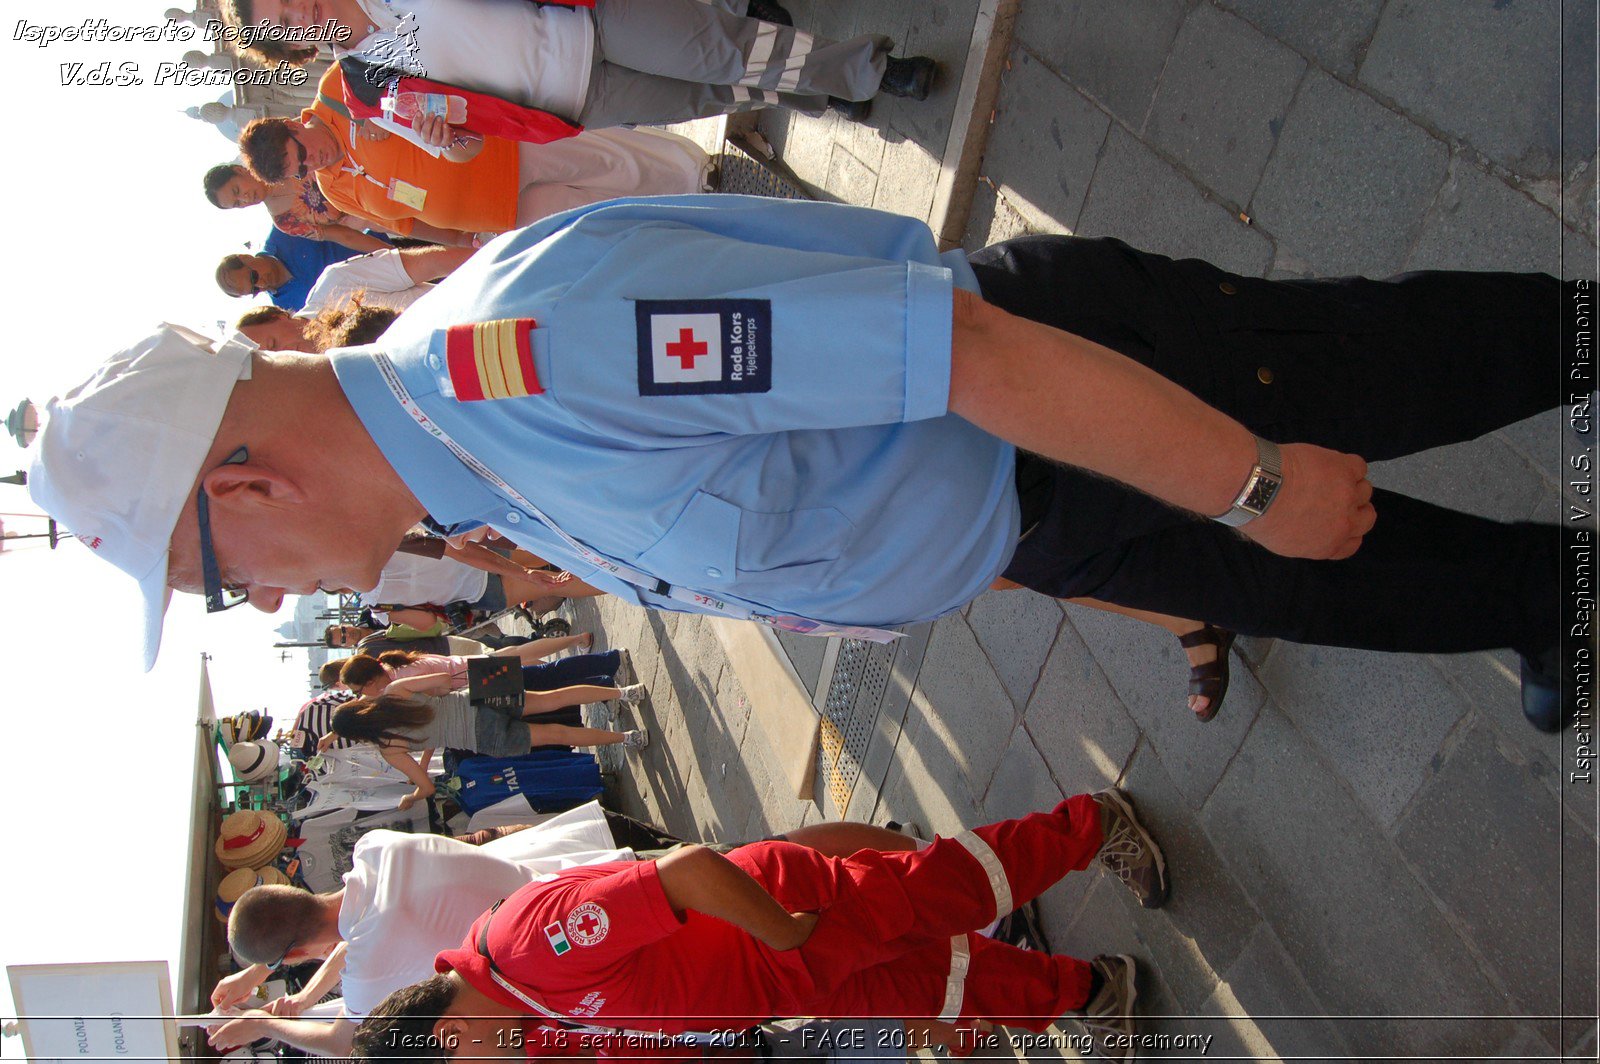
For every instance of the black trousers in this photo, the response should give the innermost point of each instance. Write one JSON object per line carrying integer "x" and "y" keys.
{"x": 1374, "y": 368}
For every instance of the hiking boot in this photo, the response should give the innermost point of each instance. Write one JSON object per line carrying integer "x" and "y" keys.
{"x": 1108, "y": 1017}
{"x": 1128, "y": 851}
{"x": 637, "y": 739}
{"x": 911, "y": 77}
{"x": 851, "y": 110}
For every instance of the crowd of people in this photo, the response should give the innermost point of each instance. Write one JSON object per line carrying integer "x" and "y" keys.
{"x": 796, "y": 414}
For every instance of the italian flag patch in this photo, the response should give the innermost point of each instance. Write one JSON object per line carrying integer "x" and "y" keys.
{"x": 557, "y": 937}
{"x": 492, "y": 359}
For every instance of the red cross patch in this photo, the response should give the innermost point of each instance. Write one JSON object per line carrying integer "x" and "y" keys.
{"x": 704, "y": 346}
{"x": 587, "y": 924}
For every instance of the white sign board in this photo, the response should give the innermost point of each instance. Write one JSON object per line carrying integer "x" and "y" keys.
{"x": 120, "y": 1010}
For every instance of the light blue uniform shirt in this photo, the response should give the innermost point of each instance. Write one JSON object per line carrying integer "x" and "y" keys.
{"x": 818, "y": 476}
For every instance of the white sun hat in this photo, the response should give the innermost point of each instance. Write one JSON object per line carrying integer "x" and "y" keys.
{"x": 119, "y": 454}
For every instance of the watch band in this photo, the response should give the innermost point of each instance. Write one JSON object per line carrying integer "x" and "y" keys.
{"x": 1260, "y": 487}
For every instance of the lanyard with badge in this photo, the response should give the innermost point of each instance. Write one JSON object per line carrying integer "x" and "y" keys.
{"x": 401, "y": 192}
{"x": 626, "y": 573}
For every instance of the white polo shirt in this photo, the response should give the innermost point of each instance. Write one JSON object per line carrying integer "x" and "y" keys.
{"x": 410, "y": 896}
{"x": 380, "y": 274}
{"x": 538, "y": 55}
{"x": 413, "y": 580}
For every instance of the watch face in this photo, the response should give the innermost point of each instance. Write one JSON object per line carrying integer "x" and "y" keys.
{"x": 1261, "y": 492}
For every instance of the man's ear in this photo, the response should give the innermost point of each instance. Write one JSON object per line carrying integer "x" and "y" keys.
{"x": 449, "y": 1032}
{"x": 250, "y": 484}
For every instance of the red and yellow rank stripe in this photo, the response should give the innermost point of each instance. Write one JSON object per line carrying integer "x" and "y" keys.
{"x": 492, "y": 359}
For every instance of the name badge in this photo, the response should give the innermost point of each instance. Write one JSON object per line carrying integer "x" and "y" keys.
{"x": 407, "y": 193}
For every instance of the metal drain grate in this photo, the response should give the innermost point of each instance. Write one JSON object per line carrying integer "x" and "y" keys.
{"x": 855, "y": 691}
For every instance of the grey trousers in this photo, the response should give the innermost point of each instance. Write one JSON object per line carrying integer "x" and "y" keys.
{"x": 674, "y": 60}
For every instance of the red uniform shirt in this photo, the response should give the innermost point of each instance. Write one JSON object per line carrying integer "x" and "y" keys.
{"x": 601, "y": 944}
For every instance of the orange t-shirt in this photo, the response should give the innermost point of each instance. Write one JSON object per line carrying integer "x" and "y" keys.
{"x": 475, "y": 196}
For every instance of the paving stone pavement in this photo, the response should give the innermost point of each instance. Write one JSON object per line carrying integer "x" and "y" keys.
{"x": 1367, "y": 849}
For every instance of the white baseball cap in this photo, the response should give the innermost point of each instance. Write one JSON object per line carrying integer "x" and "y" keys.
{"x": 119, "y": 454}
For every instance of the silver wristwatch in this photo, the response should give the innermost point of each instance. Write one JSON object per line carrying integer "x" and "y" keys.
{"x": 1260, "y": 487}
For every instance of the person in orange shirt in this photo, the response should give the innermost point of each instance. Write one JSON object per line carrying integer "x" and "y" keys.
{"x": 469, "y": 184}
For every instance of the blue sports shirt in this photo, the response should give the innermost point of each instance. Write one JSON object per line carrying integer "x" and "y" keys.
{"x": 742, "y": 397}
{"x": 306, "y": 260}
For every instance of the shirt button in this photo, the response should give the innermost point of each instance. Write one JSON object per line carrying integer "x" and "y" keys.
{"x": 434, "y": 362}
{"x": 713, "y": 571}
{"x": 1264, "y": 375}
{"x": 1226, "y": 289}
{"x": 513, "y": 518}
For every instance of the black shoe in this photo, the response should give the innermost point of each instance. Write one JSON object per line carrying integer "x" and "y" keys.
{"x": 1542, "y": 703}
{"x": 851, "y": 110}
{"x": 768, "y": 11}
{"x": 911, "y": 77}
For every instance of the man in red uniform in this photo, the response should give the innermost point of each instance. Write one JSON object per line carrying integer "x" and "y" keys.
{"x": 701, "y": 942}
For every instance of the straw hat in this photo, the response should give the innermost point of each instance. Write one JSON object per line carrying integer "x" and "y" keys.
{"x": 255, "y": 762}
{"x": 249, "y": 838}
{"x": 235, "y": 883}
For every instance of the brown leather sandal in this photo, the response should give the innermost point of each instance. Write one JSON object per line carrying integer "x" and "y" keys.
{"x": 1209, "y": 681}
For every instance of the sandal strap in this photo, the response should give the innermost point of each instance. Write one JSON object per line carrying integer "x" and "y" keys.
{"x": 1209, "y": 636}
{"x": 1206, "y": 680}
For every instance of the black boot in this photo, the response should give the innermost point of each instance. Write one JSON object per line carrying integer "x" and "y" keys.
{"x": 769, "y": 11}
{"x": 911, "y": 77}
{"x": 851, "y": 110}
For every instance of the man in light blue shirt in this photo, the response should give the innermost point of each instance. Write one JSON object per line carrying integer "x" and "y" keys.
{"x": 803, "y": 414}
{"x": 815, "y": 479}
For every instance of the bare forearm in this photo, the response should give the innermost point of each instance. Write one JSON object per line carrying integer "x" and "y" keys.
{"x": 482, "y": 557}
{"x": 421, "y": 620}
{"x": 235, "y": 988}
{"x": 351, "y": 238}
{"x": 705, "y": 881}
{"x": 572, "y": 587}
{"x": 408, "y": 767}
{"x": 325, "y": 977}
{"x": 1077, "y": 402}
{"x": 1072, "y": 400}
{"x": 430, "y": 264}
{"x": 450, "y": 237}
{"x": 314, "y": 1036}
{"x": 487, "y": 835}
{"x": 433, "y": 683}
{"x": 464, "y": 147}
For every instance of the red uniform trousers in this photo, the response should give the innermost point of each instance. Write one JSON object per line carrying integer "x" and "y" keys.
{"x": 923, "y": 961}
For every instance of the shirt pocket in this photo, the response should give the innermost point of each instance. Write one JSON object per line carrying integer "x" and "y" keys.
{"x": 715, "y": 540}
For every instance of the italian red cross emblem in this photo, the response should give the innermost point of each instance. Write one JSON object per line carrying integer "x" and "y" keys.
{"x": 587, "y": 924}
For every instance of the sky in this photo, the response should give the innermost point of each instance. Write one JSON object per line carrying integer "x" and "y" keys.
{"x": 109, "y": 235}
